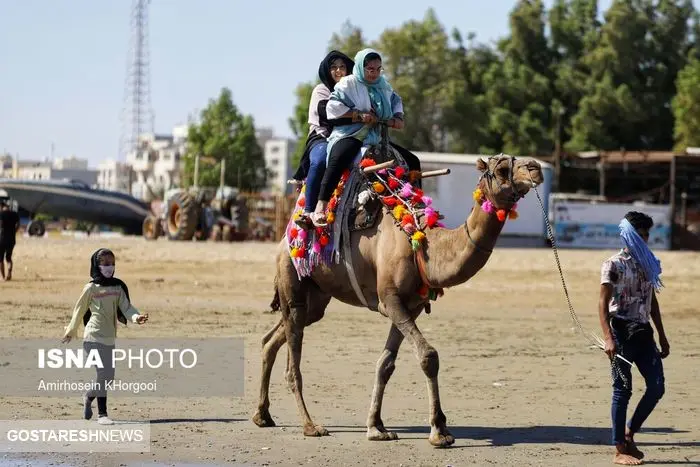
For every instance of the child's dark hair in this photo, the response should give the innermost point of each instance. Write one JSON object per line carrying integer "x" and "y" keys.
{"x": 639, "y": 220}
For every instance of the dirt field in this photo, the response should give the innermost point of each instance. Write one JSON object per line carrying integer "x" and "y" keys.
{"x": 518, "y": 384}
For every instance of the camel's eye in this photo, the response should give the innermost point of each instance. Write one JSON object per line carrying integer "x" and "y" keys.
{"x": 502, "y": 172}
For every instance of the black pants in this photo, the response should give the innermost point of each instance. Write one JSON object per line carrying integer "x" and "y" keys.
{"x": 104, "y": 375}
{"x": 6, "y": 248}
{"x": 341, "y": 156}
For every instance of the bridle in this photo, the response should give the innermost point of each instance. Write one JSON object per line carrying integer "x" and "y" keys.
{"x": 488, "y": 175}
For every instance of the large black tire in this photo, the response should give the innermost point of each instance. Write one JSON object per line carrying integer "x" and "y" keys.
{"x": 182, "y": 217}
{"x": 152, "y": 229}
{"x": 36, "y": 229}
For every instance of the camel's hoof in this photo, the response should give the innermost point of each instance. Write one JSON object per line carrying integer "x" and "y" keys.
{"x": 376, "y": 434}
{"x": 441, "y": 440}
{"x": 315, "y": 430}
{"x": 263, "y": 419}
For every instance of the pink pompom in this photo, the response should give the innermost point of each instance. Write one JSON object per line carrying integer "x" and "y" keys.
{"x": 382, "y": 172}
{"x": 409, "y": 229}
{"x": 427, "y": 200}
{"x": 317, "y": 247}
{"x": 440, "y": 224}
{"x": 406, "y": 191}
{"x": 429, "y": 212}
{"x": 487, "y": 206}
{"x": 302, "y": 234}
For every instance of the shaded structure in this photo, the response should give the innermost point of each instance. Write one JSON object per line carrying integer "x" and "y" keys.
{"x": 658, "y": 177}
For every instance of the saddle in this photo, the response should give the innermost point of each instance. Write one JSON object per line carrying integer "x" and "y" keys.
{"x": 377, "y": 179}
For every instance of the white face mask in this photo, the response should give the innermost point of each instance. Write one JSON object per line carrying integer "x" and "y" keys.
{"x": 107, "y": 271}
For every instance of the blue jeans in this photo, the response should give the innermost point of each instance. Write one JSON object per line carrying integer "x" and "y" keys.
{"x": 637, "y": 345}
{"x": 317, "y": 167}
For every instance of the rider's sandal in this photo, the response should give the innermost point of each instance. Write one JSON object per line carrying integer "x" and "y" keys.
{"x": 319, "y": 219}
{"x": 304, "y": 221}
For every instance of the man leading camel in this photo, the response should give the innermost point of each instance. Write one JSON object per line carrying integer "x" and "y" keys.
{"x": 627, "y": 302}
{"x": 9, "y": 224}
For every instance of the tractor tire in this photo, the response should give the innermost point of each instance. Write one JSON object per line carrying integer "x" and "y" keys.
{"x": 182, "y": 217}
{"x": 152, "y": 228}
{"x": 36, "y": 229}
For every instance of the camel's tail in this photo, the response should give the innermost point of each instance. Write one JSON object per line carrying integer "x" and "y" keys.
{"x": 275, "y": 304}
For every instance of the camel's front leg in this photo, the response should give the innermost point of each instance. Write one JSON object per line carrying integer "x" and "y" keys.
{"x": 294, "y": 330}
{"x": 385, "y": 368}
{"x": 429, "y": 362}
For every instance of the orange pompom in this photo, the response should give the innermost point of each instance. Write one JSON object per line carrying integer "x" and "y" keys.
{"x": 406, "y": 219}
{"x": 378, "y": 187}
{"x": 513, "y": 215}
{"x": 501, "y": 214}
{"x": 330, "y": 217}
{"x": 301, "y": 202}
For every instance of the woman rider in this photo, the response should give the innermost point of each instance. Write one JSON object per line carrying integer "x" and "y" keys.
{"x": 366, "y": 97}
{"x": 313, "y": 162}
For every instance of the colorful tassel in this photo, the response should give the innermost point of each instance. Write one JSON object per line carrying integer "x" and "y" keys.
{"x": 406, "y": 191}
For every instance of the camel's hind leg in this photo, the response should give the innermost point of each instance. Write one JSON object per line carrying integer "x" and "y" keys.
{"x": 296, "y": 318}
{"x": 385, "y": 368}
{"x": 299, "y": 301}
{"x": 272, "y": 342}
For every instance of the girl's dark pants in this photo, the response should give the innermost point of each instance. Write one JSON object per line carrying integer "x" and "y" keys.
{"x": 104, "y": 375}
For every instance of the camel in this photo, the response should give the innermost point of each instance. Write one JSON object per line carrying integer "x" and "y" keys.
{"x": 389, "y": 275}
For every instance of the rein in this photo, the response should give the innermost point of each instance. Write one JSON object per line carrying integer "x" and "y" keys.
{"x": 592, "y": 338}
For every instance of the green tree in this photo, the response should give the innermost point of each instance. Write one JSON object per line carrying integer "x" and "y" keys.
{"x": 224, "y": 134}
{"x": 686, "y": 106}
{"x": 299, "y": 122}
{"x": 350, "y": 40}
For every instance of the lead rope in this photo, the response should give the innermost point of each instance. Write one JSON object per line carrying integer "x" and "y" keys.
{"x": 592, "y": 338}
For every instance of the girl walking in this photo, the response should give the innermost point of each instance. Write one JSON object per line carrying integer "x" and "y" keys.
{"x": 103, "y": 301}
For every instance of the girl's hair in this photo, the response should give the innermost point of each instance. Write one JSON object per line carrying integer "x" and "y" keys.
{"x": 103, "y": 253}
{"x": 372, "y": 56}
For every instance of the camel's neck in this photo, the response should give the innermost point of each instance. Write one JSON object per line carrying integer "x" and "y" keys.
{"x": 454, "y": 256}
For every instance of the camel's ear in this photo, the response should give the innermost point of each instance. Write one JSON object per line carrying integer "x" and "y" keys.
{"x": 481, "y": 166}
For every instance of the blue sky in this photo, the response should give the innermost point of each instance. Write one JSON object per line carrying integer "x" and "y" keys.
{"x": 63, "y": 63}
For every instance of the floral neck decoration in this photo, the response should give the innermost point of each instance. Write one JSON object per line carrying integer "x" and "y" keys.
{"x": 488, "y": 207}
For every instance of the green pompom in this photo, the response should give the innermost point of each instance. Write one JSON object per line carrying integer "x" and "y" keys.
{"x": 415, "y": 244}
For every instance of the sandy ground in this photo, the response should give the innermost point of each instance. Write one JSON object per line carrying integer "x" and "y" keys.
{"x": 518, "y": 384}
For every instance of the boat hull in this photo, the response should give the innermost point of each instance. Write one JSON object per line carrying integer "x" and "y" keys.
{"x": 79, "y": 202}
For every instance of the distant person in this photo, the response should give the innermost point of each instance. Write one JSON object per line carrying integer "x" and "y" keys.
{"x": 9, "y": 225}
{"x": 629, "y": 281}
{"x": 104, "y": 300}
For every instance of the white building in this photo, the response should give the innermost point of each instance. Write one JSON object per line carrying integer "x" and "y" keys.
{"x": 278, "y": 159}
{"x": 70, "y": 163}
{"x": 156, "y": 163}
{"x": 114, "y": 176}
{"x": 72, "y": 169}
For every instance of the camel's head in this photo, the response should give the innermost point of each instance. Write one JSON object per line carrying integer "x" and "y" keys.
{"x": 505, "y": 180}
